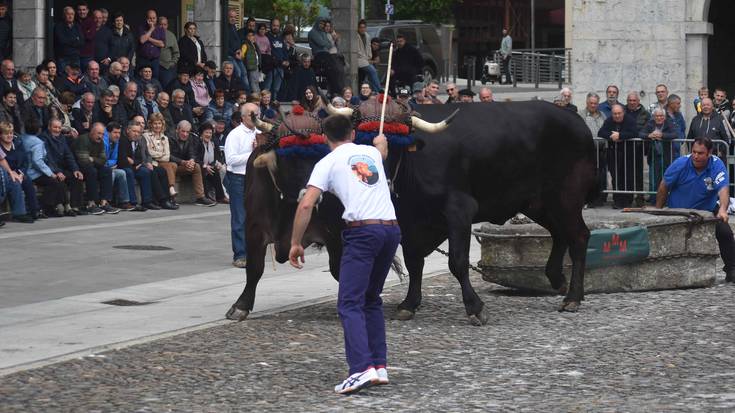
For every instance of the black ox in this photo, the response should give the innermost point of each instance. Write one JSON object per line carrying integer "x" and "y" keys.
{"x": 493, "y": 161}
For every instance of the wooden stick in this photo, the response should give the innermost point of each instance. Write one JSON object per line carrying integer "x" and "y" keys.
{"x": 387, "y": 87}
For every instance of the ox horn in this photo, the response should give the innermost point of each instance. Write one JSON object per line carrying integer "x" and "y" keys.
{"x": 267, "y": 159}
{"x": 425, "y": 126}
{"x": 263, "y": 126}
{"x": 339, "y": 111}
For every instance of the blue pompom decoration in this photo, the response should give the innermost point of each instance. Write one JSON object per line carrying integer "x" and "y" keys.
{"x": 366, "y": 138}
{"x": 297, "y": 151}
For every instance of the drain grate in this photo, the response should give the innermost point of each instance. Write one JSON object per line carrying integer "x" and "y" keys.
{"x": 142, "y": 247}
{"x": 126, "y": 303}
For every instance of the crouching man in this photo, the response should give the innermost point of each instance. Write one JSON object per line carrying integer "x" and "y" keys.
{"x": 698, "y": 181}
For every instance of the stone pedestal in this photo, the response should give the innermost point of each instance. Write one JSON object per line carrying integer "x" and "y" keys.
{"x": 345, "y": 14}
{"x": 29, "y": 32}
{"x": 515, "y": 255}
{"x": 208, "y": 17}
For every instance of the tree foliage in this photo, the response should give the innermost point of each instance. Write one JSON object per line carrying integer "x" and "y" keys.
{"x": 430, "y": 11}
{"x": 297, "y": 12}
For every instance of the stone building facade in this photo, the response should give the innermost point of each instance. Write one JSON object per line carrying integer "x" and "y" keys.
{"x": 637, "y": 44}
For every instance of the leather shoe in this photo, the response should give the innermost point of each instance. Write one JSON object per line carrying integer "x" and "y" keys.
{"x": 151, "y": 206}
{"x": 169, "y": 205}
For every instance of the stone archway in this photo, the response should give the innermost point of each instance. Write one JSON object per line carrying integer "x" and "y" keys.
{"x": 720, "y": 58}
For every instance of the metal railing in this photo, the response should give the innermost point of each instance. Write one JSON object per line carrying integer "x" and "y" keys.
{"x": 540, "y": 66}
{"x": 636, "y": 166}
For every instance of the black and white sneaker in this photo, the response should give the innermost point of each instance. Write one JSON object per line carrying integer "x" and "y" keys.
{"x": 358, "y": 381}
{"x": 205, "y": 202}
{"x": 95, "y": 210}
{"x": 109, "y": 209}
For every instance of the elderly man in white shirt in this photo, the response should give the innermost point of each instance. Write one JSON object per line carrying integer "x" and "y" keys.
{"x": 238, "y": 147}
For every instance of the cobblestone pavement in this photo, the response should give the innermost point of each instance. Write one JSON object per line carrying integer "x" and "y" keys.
{"x": 647, "y": 352}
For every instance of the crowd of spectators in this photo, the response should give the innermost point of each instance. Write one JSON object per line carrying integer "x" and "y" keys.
{"x": 630, "y": 133}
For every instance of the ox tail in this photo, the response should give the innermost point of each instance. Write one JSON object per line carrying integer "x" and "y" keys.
{"x": 397, "y": 266}
{"x": 595, "y": 189}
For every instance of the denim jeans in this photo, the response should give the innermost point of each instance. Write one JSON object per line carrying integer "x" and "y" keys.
{"x": 166, "y": 76}
{"x": 372, "y": 77}
{"x": 29, "y": 191}
{"x": 120, "y": 186}
{"x": 235, "y": 184}
{"x": 273, "y": 81}
{"x": 14, "y": 191}
{"x": 240, "y": 72}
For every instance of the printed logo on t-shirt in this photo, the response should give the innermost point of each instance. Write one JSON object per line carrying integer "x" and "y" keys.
{"x": 708, "y": 183}
{"x": 720, "y": 177}
{"x": 364, "y": 168}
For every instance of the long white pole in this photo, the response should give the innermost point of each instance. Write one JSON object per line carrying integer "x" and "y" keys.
{"x": 387, "y": 86}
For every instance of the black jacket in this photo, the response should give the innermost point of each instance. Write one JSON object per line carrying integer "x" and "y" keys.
{"x": 12, "y": 116}
{"x": 230, "y": 87}
{"x": 67, "y": 41}
{"x": 175, "y": 84}
{"x": 60, "y": 154}
{"x": 188, "y": 51}
{"x": 183, "y": 150}
{"x": 125, "y": 151}
{"x": 109, "y": 44}
{"x": 712, "y": 128}
{"x": 6, "y": 37}
{"x": 627, "y": 129}
{"x": 29, "y": 111}
{"x": 179, "y": 114}
{"x": 78, "y": 118}
{"x": 125, "y": 110}
{"x": 407, "y": 61}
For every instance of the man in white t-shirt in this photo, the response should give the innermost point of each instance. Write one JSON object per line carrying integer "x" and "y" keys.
{"x": 355, "y": 174}
{"x": 238, "y": 147}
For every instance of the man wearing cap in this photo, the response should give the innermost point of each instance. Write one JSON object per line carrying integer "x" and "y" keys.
{"x": 404, "y": 96}
{"x": 355, "y": 174}
{"x": 466, "y": 95}
{"x": 419, "y": 95}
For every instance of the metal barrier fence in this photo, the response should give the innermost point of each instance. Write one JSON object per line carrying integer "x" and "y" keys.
{"x": 636, "y": 166}
{"x": 541, "y": 66}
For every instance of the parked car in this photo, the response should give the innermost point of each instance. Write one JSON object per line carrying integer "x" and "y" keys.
{"x": 421, "y": 35}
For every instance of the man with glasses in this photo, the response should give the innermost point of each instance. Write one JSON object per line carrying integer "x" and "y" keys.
{"x": 453, "y": 93}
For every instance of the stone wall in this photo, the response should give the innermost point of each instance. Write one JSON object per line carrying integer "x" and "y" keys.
{"x": 29, "y": 32}
{"x": 637, "y": 44}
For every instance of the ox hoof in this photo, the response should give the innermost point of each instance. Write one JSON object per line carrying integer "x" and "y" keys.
{"x": 237, "y": 314}
{"x": 404, "y": 315}
{"x": 479, "y": 319}
{"x": 569, "y": 306}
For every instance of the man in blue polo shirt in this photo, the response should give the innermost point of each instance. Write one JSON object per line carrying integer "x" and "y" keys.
{"x": 697, "y": 181}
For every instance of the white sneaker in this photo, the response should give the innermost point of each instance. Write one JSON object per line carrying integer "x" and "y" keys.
{"x": 382, "y": 375}
{"x": 357, "y": 382}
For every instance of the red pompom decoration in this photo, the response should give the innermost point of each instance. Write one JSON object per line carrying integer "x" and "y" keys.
{"x": 381, "y": 97}
{"x": 388, "y": 127}
{"x": 298, "y": 110}
{"x": 293, "y": 140}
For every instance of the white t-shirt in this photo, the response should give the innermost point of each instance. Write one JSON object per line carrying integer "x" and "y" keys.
{"x": 355, "y": 174}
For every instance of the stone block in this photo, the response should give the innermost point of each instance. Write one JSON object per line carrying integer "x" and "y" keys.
{"x": 28, "y": 52}
{"x": 27, "y": 5}
{"x": 28, "y": 23}
{"x": 206, "y": 10}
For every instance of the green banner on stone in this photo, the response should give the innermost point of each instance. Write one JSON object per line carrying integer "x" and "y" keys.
{"x": 609, "y": 247}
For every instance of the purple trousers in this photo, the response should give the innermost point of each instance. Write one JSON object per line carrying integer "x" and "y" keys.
{"x": 366, "y": 258}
